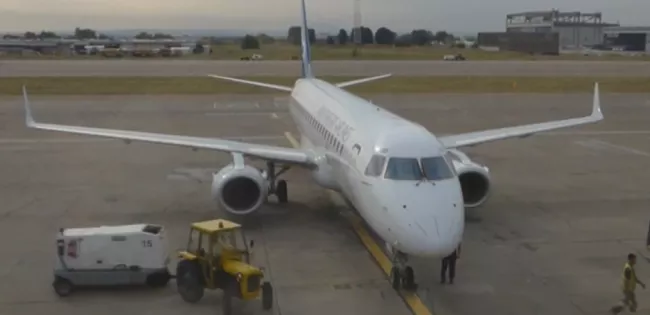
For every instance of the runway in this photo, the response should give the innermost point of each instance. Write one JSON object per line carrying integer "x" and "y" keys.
{"x": 31, "y": 68}
{"x": 566, "y": 207}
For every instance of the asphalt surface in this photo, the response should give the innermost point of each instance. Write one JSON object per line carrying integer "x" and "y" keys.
{"x": 566, "y": 206}
{"x": 17, "y": 68}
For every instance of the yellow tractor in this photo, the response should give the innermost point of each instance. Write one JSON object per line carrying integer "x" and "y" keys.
{"x": 218, "y": 257}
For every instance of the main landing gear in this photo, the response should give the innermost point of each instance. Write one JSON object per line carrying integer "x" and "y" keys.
{"x": 276, "y": 187}
{"x": 401, "y": 274}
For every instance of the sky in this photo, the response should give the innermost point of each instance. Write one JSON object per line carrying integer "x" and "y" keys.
{"x": 324, "y": 15}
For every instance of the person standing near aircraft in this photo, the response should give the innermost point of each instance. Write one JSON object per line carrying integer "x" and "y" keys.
{"x": 628, "y": 285}
{"x": 449, "y": 262}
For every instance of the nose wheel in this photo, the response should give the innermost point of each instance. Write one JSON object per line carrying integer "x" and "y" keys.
{"x": 401, "y": 275}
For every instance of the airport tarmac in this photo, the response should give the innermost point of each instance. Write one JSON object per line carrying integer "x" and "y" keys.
{"x": 18, "y": 68}
{"x": 566, "y": 207}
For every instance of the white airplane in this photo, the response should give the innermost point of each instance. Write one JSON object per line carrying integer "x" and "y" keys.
{"x": 410, "y": 186}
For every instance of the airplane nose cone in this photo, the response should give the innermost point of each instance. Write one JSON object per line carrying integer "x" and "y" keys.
{"x": 432, "y": 217}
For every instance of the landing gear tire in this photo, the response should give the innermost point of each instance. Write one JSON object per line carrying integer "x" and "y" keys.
{"x": 395, "y": 278}
{"x": 281, "y": 191}
{"x": 409, "y": 279}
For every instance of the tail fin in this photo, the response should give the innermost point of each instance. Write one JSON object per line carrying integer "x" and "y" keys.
{"x": 306, "y": 49}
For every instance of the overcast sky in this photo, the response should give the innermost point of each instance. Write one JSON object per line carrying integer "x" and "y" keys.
{"x": 400, "y": 15}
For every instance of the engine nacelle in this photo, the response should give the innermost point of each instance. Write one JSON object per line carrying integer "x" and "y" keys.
{"x": 240, "y": 190}
{"x": 474, "y": 179}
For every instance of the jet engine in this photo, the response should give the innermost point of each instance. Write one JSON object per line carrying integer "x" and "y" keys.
{"x": 240, "y": 190}
{"x": 474, "y": 179}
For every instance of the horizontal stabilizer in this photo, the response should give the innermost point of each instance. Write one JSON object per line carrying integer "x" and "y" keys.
{"x": 364, "y": 80}
{"x": 262, "y": 84}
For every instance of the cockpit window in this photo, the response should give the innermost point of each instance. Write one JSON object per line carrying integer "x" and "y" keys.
{"x": 403, "y": 169}
{"x": 436, "y": 168}
{"x": 376, "y": 165}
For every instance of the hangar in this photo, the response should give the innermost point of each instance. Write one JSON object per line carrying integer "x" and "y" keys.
{"x": 628, "y": 38}
{"x": 575, "y": 29}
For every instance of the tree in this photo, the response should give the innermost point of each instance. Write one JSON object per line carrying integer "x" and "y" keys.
{"x": 367, "y": 36}
{"x": 30, "y": 35}
{"x": 404, "y": 40}
{"x": 46, "y": 34}
{"x": 343, "y": 37}
{"x": 384, "y": 36}
{"x": 265, "y": 39}
{"x": 250, "y": 42}
{"x": 421, "y": 37}
{"x": 84, "y": 33}
{"x": 441, "y": 36}
{"x": 295, "y": 34}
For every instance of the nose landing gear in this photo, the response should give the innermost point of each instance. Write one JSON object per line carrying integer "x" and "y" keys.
{"x": 401, "y": 274}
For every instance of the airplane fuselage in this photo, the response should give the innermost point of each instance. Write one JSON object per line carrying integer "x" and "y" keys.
{"x": 415, "y": 216}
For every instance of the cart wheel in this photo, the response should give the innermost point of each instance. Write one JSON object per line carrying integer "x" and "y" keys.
{"x": 282, "y": 192}
{"x": 226, "y": 303}
{"x": 188, "y": 283}
{"x": 62, "y": 287}
{"x": 267, "y": 296}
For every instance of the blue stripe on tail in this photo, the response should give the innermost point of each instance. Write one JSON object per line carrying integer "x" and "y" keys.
{"x": 305, "y": 45}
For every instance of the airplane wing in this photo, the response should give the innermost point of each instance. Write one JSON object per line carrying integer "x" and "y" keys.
{"x": 265, "y": 152}
{"x": 473, "y": 138}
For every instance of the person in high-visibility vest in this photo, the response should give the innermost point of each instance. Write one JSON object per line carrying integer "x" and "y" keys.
{"x": 628, "y": 285}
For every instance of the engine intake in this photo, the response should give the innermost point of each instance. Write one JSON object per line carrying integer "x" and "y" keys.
{"x": 474, "y": 179}
{"x": 240, "y": 190}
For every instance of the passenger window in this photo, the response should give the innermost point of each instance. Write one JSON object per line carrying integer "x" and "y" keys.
{"x": 376, "y": 166}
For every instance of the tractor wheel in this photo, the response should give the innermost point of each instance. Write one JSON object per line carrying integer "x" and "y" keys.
{"x": 188, "y": 281}
{"x": 63, "y": 287}
{"x": 282, "y": 191}
{"x": 267, "y": 296}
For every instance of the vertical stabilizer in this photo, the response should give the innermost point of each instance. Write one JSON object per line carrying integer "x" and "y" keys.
{"x": 305, "y": 45}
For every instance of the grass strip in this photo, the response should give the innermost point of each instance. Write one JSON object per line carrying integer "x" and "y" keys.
{"x": 394, "y": 85}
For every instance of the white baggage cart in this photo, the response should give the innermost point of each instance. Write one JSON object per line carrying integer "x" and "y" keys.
{"x": 111, "y": 255}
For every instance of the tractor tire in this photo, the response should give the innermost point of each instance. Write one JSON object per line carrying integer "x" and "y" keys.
{"x": 188, "y": 281}
{"x": 267, "y": 296}
{"x": 62, "y": 287}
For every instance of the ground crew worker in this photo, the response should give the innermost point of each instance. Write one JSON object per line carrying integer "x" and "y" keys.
{"x": 628, "y": 285}
{"x": 449, "y": 262}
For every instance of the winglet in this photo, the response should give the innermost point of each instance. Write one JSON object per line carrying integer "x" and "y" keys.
{"x": 29, "y": 120}
{"x": 596, "y": 112}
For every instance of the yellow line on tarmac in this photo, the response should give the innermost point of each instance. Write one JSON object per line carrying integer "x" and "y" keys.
{"x": 412, "y": 299}
{"x": 291, "y": 139}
